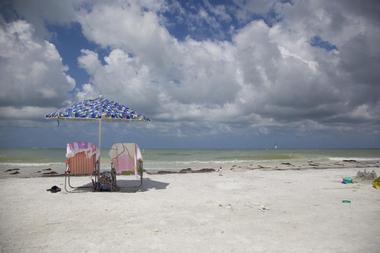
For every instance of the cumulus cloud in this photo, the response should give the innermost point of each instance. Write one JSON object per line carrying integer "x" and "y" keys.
{"x": 265, "y": 76}
{"x": 40, "y": 13}
{"x": 24, "y": 112}
{"x": 31, "y": 70}
{"x": 245, "y": 9}
{"x": 154, "y": 63}
{"x": 141, "y": 33}
{"x": 122, "y": 78}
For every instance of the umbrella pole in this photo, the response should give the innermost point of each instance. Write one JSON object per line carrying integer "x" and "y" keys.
{"x": 100, "y": 149}
{"x": 100, "y": 135}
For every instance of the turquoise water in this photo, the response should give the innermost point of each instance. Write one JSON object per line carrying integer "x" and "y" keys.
{"x": 172, "y": 158}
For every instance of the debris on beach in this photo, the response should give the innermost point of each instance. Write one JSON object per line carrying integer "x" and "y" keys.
{"x": 239, "y": 168}
{"x": 204, "y": 170}
{"x": 228, "y": 206}
{"x": 48, "y": 169}
{"x": 346, "y": 201}
{"x": 288, "y": 164}
{"x": 311, "y": 163}
{"x": 165, "y": 172}
{"x": 9, "y": 170}
{"x": 365, "y": 175}
{"x": 349, "y": 161}
{"x": 263, "y": 208}
{"x": 14, "y": 173}
{"x": 183, "y": 171}
{"x": 188, "y": 170}
{"x": 50, "y": 173}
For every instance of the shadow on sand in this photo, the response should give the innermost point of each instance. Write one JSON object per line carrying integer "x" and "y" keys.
{"x": 130, "y": 186}
{"x": 148, "y": 184}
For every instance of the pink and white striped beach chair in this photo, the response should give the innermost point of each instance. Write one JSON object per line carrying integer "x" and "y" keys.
{"x": 126, "y": 157}
{"x": 82, "y": 160}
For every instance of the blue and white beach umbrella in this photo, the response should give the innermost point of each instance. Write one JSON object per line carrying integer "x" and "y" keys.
{"x": 99, "y": 109}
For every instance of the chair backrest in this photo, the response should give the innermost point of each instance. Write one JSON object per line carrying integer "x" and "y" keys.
{"x": 81, "y": 165}
{"x": 125, "y": 156}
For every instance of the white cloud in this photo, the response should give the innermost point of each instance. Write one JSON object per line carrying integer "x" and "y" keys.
{"x": 87, "y": 91}
{"x": 148, "y": 67}
{"x": 136, "y": 31}
{"x": 24, "y": 112}
{"x": 42, "y": 12}
{"x": 31, "y": 70}
{"x": 265, "y": 77}
{"x": 266, "y": 74}
{"x": 89, "y": 61}
{"x": 244, "y": 10}
{"x": 122, "y": 78}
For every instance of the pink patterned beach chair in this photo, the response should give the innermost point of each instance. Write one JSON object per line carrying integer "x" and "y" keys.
{"x": 82, "y": 160}
{"x": 126, "y": 158}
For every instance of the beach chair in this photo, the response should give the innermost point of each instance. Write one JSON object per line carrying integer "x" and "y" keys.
{"x": 126, "y": 158}
{"x": 82, "y": 160}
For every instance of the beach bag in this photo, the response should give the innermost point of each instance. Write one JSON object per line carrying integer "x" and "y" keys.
{"x": 106, "y": 181}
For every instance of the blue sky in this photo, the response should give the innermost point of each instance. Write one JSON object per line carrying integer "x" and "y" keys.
{"x": 210, "y": 74}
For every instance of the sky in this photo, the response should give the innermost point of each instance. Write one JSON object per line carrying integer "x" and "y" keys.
{"x": 209, "y": 74}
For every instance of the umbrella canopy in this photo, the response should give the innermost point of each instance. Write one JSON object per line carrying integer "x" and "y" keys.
{"x": 97, "y": 109}
{"x": 100, "y": 109}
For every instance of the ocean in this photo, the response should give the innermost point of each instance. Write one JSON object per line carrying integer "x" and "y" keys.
{"x": 176, "y": 159}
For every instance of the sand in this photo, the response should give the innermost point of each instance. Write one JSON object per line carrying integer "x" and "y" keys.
{"x": 241, "y": 211}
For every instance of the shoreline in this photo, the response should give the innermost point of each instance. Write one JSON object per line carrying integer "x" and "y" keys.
{"x": 7, "y": 170}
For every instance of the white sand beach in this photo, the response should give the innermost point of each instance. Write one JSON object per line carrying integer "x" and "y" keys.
{"x": 252, "y": 122}
{"x": 241, "y": 211}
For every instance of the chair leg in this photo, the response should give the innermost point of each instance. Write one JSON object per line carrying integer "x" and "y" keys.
{"x": 67, "y": 183}
{"x": 141, "y": 181}
{"x": 73, "y": 188}
{"x": 141, "y": 178}
{"x": 67, "y": 178}
{"x": 114, "y": 186}
{"x": 94, "y": 184}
